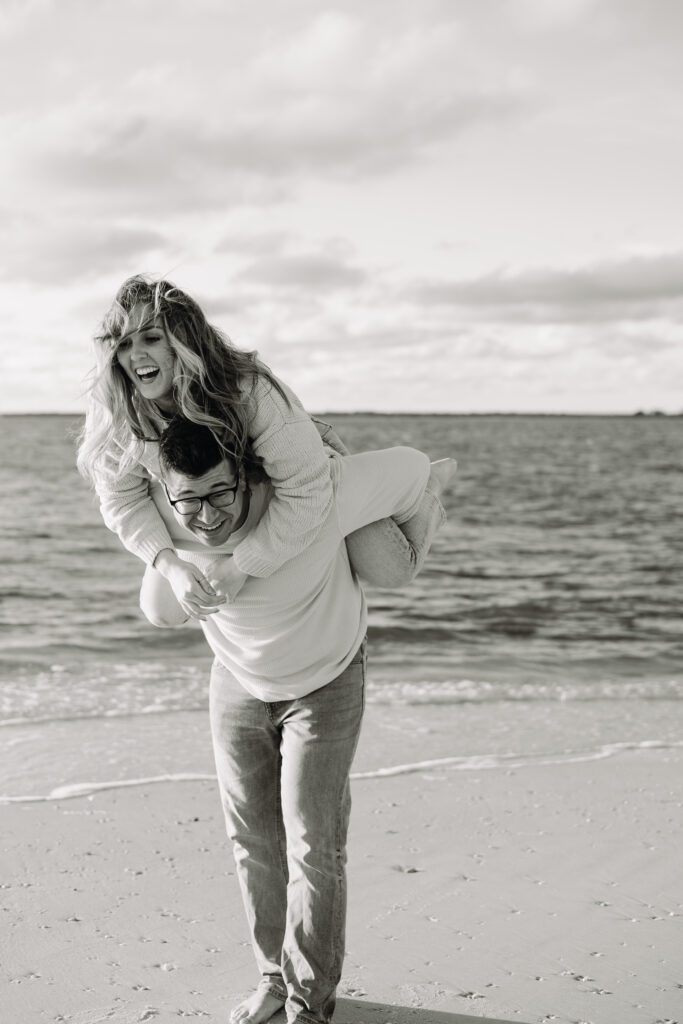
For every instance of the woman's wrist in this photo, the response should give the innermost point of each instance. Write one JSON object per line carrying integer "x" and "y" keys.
{"x": 165, "y": 560}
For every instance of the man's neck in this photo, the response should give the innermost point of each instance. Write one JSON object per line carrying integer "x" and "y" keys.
{"x": 244, "y": 514}
{"x": 259, "y": 496}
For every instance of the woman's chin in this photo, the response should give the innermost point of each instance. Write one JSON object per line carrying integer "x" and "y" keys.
{"x": 157, "y": 393}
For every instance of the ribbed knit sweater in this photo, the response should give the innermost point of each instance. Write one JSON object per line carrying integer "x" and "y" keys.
{"x": 297, "y": 466}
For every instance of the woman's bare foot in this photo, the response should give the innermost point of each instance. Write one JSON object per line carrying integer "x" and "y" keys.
{"x": 258, "y": 1008}
{"x": 442, "y": 471}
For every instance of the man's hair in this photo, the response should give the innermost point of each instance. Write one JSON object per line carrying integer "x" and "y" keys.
{"x": 190, "y": 448}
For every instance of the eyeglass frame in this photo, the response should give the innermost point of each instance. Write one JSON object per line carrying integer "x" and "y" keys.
{"x": 201, "y": 498}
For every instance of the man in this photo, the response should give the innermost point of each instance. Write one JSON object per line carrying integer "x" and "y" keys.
{"x": 287, "y": 695}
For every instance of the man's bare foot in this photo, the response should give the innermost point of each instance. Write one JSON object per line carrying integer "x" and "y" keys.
{"x": 258, "y": 1008}
{"x": 442, "y": 471}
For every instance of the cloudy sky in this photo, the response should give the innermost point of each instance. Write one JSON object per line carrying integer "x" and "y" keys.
{"x": 438, "y": 205}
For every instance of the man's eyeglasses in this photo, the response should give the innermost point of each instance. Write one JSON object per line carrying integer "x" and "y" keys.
{"x": 217, "y": 499}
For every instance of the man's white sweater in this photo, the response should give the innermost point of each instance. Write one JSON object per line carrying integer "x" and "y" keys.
{"x": 296, "y": 630}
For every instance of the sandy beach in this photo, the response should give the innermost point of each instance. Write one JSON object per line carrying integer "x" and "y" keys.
{"x": 531, "y": 893}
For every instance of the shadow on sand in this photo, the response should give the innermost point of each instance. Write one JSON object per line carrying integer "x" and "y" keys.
{"x": 357, "y": 1011}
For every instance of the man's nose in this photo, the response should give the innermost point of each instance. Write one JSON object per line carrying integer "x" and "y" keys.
{"x": 207, "y": 513}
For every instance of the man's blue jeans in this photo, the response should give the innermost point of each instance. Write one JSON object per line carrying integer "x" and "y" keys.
{"x": 283, "y": 772}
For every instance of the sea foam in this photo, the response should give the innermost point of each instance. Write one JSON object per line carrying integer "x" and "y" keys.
{"x": 476, "y": 762}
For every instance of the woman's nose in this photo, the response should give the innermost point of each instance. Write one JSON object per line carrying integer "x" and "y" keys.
{"x": 138, "y": 347}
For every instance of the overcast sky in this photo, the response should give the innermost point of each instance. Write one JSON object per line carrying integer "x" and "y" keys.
{"x": 438, "y": 205}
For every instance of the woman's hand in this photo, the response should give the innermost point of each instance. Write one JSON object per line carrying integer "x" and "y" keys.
{"x": 227, "y": 579}
{"x": 192, "y": 590}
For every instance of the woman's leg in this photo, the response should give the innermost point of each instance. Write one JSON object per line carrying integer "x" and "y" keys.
{"x": 158, "y": 602}
{"x": 385, "y": 553}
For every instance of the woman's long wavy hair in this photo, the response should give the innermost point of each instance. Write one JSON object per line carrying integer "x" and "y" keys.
{"x": 212, "y": 382}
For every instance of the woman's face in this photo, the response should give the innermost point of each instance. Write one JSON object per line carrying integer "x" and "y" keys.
{"x": 147, "y": 359}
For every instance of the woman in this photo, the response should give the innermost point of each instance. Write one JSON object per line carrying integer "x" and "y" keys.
{"x": 157, "y": 356}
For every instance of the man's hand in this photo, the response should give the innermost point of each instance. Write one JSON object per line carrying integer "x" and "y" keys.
{"x": 192, "y": 590}
{"x": 227, "y": 579}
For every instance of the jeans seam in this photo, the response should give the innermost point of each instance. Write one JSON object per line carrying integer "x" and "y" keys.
{"x": 436, "y": 502}
{"x": 274, "y": 988}
{"x": 281, "y": 838}
{"x": 339, "y": 887}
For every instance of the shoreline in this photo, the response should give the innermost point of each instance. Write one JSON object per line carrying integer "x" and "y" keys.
{"x": 520, "y": 894}
{"x": 67, "y": 758}
{"x": 472, "y": 763}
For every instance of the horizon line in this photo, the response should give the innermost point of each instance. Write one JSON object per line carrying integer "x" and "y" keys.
{"x": 398, "y": 412}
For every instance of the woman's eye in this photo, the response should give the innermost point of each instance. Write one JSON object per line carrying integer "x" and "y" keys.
{"x": 123, "y": 346}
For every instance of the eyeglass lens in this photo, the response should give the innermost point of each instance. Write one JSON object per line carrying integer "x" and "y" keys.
{"x": 221, "y": 499}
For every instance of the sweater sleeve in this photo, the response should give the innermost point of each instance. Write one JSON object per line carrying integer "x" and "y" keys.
{"x": 284, "y": 436}
{"x": 128, "y": 509}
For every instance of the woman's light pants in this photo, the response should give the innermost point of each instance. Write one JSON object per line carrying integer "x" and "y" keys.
{"x": 388, "y": 553}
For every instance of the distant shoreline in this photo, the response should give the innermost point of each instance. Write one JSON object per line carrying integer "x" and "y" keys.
{"x": 463, "y": 415}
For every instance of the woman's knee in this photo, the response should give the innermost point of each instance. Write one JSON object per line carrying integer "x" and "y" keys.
{"x": 381, "y": 555}
{"x": 157, "y": 601}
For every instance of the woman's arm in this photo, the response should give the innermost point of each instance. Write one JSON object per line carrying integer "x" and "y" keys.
{"x": 286, "y": 438}
{"x": 129, "y": 511}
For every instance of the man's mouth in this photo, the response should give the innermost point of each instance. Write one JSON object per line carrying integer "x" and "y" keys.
{"x": 146, "y": 374}
{"x": 209, "y": 529}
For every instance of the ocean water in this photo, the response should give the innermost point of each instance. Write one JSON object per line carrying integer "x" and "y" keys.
{"x": 547, "y": 620}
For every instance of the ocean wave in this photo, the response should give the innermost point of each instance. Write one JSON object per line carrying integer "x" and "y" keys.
{"x": 472, "y": 762}
{"x": 478, "y": 691}
{"x": 476, "y": 762}
{"x": 99, "y": 715}
{"x": 189, "y": 693}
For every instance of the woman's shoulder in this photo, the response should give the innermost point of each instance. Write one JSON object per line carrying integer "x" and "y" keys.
{"x": 267, "y": 395}
{"x": 126, "y": 454}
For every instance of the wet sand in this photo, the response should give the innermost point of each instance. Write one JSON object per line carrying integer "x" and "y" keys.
{"x": 530, "y": 894}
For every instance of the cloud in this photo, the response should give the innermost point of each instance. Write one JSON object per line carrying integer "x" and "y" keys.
{"x": 328, "y": 93}
{"x": 538, "y": 14}
{"x": 58, "y": 251}
{"x": 634, "y": 287}
{"x": 259, "y": 243}
{"x": 316, "y": 271}
{"x": 138, "y": 163}
{"x": 16, "y": 15}
{"x": 231, "y": 146}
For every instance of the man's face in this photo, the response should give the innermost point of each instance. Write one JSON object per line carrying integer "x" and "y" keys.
{"x": 210, "y": 525}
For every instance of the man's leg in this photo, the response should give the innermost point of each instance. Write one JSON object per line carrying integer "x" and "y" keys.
{"x": 319, "y": 738}
{"x": 247, "y": 751}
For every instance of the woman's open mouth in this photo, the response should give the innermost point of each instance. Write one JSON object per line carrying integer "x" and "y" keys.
{"x": 146, "y": 374}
